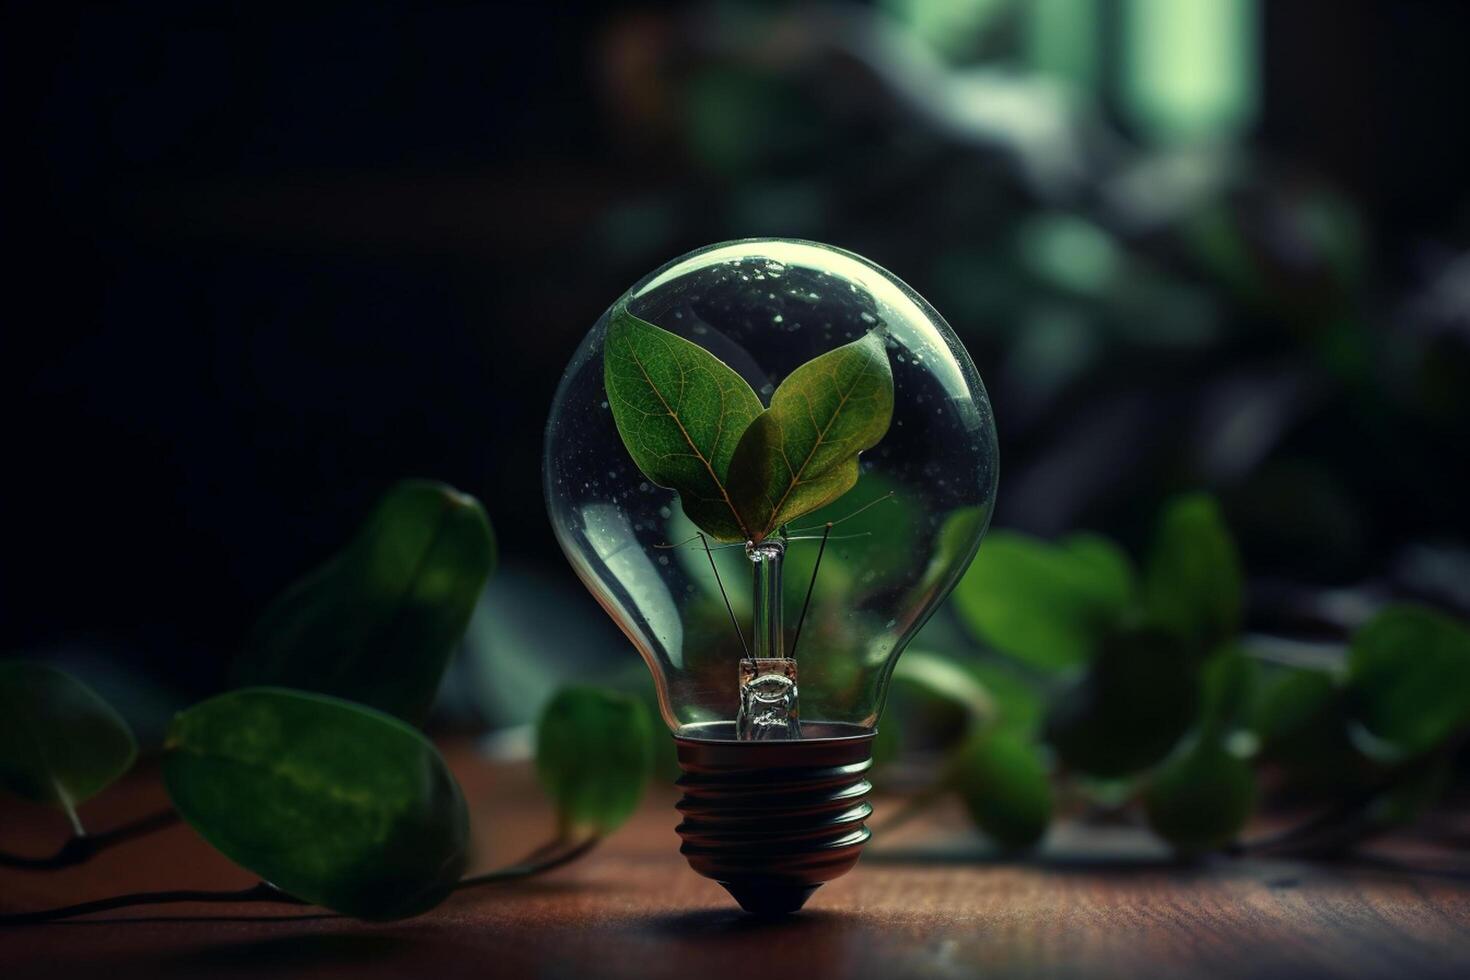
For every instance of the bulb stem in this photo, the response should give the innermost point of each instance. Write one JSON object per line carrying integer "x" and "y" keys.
{"x": 768, "y": 707}
{"x": 766, "y": 559}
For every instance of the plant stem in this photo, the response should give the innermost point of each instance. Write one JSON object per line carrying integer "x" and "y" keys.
{"x": 256, "y": 893}
{"x": 539, "y": 861}
{"x": 77, "y": 829}
{"x": 84, "y": 847}
{"x": 549, "y": 856}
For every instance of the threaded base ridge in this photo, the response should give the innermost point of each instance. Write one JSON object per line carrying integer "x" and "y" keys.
{"x": 773, "y": 820}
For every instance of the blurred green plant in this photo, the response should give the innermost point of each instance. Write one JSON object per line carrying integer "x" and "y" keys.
{"x": 1046, "y": 604}
{"x": 332, "y": 801}
{"x": 59, "y": 742}
{"x": 594, "y": 754}
{"x": 1408, "y": 705}
{"x": 377, "y": 622}
{"x": 1084, "y": 681}
{"x": 1057, "y": 674}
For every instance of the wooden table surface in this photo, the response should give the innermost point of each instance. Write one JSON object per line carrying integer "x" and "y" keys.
{"x": 924, "y": 902}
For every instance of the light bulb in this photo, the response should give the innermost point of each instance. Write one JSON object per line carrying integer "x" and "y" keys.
{"x": 770, "y": 461}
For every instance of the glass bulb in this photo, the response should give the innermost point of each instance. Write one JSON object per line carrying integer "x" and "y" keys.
{"x": 770, "y": 587}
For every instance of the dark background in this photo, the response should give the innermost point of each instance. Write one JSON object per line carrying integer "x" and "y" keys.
{"x": 262, "y": 264}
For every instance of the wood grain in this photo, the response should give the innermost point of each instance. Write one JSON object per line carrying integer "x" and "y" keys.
{"x": 926, "y": 902}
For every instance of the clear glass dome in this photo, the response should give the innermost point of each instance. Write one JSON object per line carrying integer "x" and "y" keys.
{"x": 900, "y": 537}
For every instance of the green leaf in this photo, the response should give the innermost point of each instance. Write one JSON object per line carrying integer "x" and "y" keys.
{"x": 377, "y": 623}
{"x": 802, "y": 452}
{"x": 681, "y": 412}
{"x": 1003, "y": 780}
{"x": 59, "y": 742}
{"x": 1201, "y": 797}
{"x": 1291, "y": 704}
{"x": 1192, "y": 582}
{"x": 1300, "y": 719}
{"x": 1020, "y": 707}
{"x": 943, "y": 678}
{"x": 1130, "y": 707}
{"x": 1046, "y": 604}
{"x": 1227, "y": 682}
{"x": 594, "y": 751}
{"x": 1409, "y": 679}
{"x": 336, "y": 804}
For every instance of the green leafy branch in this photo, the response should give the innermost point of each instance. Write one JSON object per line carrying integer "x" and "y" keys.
{"x": 1122, "y": 688}
{"x": 315, "y": 776}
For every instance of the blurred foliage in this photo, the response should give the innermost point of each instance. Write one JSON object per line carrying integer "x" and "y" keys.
{"x": 1160, "y": 704}
{"x": 1193, "y": 586}
{"x": 59, "y": 742}
{"x": 1409, "y": 681}
{"x": 1202, "y": 795}
{"x": 1043, "y": 603}
{"x": 1003, "y": 779}
{"x": 1162, "y": 701}
{"x": 594, "y": 752}
{"x": 377, "y": 622}
{"x": 1125, "y": 710}
{"x": 333, "y": 802}
{"x": 1155, "y": 303}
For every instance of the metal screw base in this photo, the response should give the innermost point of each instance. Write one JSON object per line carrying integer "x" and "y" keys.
{"x": 773, "y": 820}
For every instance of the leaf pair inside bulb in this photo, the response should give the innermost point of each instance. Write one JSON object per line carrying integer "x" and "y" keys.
{"x": 742, "y": 470}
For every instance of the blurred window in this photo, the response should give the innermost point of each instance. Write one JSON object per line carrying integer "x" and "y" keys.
{"x": 1188, "y": 68}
